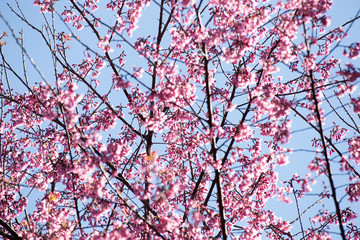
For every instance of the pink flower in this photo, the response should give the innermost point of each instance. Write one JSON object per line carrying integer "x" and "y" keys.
{"x": 186, "y": 3}
{"x": 354, "y": 51}
{"x": 104, "y": 44}
{"x": 120, "y": 83}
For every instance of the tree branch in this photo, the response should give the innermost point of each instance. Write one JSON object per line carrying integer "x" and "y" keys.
{"x": 328, "y": 168}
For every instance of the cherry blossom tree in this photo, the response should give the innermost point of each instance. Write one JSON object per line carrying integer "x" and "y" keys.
{"x": 179, "y": 119}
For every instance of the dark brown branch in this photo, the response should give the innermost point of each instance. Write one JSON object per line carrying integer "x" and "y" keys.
{"x": 348, "y": 22}
{"x": 213, "y": 151}
{"x": 298, "y": 210}
{"x": 327, "y": 139}
{"x": 328, "y": 168}
{"x": 13, "y": 235}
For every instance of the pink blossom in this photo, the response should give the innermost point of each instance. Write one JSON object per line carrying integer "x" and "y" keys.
{"x": 186, "y": 3}
{"x": 121, "y": 84}
{"x": 104, "y": 44}
{"x": 354, "y": 51}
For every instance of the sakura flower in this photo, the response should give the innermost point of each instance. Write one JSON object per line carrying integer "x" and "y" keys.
{"x": 186, "y": 3}
{"x": 104, "y": 44}
{"x": 354, "y": 51}
{"x": 120, "y": 83}
{"x": 243, "y": 133}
